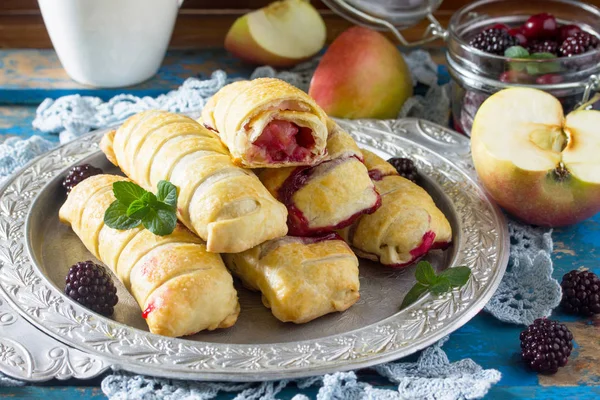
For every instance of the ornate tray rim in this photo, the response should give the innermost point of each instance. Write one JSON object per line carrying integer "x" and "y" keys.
{"x": 94, "y": 343}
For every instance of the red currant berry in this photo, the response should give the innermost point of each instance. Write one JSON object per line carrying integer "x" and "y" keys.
{"x": 502, "y": 27}
{"x": 517, "y": 33}
{"x": 566, "y": 31}
{"x": 541, "y": 26}
{"x": 515, "y": 77}
{"x": 548, "y": 79}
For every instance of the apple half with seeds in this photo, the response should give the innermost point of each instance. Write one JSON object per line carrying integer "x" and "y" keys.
{"x": 539, "y": 165}
{"x": 281, "y": 34}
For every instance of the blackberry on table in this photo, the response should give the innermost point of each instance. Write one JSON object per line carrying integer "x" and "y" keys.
{"x": 79, "y": 173}
{"x": 578, "y": 43}
{"x": 494, "y": 41}
{"x": 92, "y": 286}
{"x": 405, "y": 167}
{"x": 546, "y": 345}
{"x": 581, "y": 293}
{"x": 543, "y": 46}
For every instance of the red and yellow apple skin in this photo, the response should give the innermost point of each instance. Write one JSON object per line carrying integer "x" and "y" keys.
{"x": 535, "y": 197}
{"x": 241, "y": 43}
{"x": 361, "y": 75}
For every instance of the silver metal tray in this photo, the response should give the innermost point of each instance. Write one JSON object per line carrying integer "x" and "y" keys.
{"x": 45, "y": 335}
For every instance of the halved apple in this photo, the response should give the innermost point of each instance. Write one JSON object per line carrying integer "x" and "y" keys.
{"x": 538, "y": 165}
{"x": 282, "y": 34}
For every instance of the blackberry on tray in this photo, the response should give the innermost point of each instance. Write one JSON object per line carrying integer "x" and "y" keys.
{"x": 405, "y": 167}
{"x": 92, "y": 286}
{"x": 77, "y": 174}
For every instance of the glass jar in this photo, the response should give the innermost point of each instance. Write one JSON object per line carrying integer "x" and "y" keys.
{"x": 477, "y": 75}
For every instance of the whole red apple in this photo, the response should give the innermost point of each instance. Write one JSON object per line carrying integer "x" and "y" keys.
{"x": 361, "y": 75}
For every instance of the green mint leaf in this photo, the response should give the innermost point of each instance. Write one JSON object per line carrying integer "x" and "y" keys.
{"x": 425, "y": 273}
{"x": 160, "y": 220}
{"x": 516, "y": 52}
{"x": 541, "y": 56}
{"x": 441, "y": 286}
{"x": 116, "y": 217}
{"x": 167, "y": 193}
{"x": 126, "y": 192}
{"x": 413, "y": 294}
{"x": 540, "y": 68}
{"x": 137, "y": 209}
{"x": 149, "y": 199}
{"x": 457, "y": 276}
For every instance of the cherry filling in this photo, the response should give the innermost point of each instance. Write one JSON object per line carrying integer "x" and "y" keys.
{"x": 285, "y": 141}
{"x": 148, "y": 310}
{"x": 425, "y": 246}
{"x": 377, "y": 175}
{"x": 417, "y": 253}
{"x": 210, "y": 128}
{"x": 298, "y": 224}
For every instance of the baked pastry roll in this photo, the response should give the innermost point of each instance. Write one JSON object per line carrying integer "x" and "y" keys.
{"x": 328, "y": 196}
{"x": 300, "y": 278}
{"x": 182, "y": 288}
{"x": 225, "y": 205}
{"x": 267, "y": 122}
{"x": 406, "y": 226}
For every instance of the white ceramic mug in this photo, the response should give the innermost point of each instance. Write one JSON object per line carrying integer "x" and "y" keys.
{"x": 110, "y": 43}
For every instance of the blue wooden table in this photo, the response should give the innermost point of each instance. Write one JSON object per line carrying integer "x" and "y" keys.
{"x": 29, "y": 76}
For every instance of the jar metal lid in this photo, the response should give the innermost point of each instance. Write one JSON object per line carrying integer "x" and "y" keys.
{"x": 392, "y": 15}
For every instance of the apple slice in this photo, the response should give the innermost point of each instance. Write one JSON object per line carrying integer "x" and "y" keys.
{"x": 538, "y": 165}
{"x": 282, "y": 34}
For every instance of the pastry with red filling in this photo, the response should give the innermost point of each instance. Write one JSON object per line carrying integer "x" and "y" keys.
{"x": 268, "y": 123}
{"x": 300, "y": 278}
{"x": 406, "y": 226}
{"x": 181, "y": 288}
{"x": 328, "y": 196}
{"x": 224, "y": 204}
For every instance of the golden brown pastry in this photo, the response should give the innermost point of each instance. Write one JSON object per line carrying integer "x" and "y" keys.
{"x": 406, "y": 226}
{"x": 300, "y": 278}
{"x": 223, "y": 204}
{"x": 182, "y": 288}
{"x": 328, "y": 196}
{"x": 267, "y": 122}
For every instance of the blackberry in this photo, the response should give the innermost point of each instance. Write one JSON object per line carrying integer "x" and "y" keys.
{"x": 546, "y": 345}
{"x": 79, "y": 173}
{"x": 405, "y": 167}
{"x": 493, "y": 41}
{"x": 579, "y": 43}
{"x": 581, "y": 293}
{"x": 543, "y": 46}
{"x": 92, "y": 286}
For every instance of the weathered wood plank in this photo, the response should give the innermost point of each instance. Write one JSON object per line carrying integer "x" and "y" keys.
{"x": 28, "y": 76}
{"x": 193, "y": 30}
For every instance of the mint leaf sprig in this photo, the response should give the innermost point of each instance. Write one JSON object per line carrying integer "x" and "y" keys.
{"x": 428, "y": 281}
{"x": 533, "y": 67}
{"x": 135, "y": 206}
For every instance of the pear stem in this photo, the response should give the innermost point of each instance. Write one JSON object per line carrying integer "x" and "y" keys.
{"x": 589, "y": 102}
